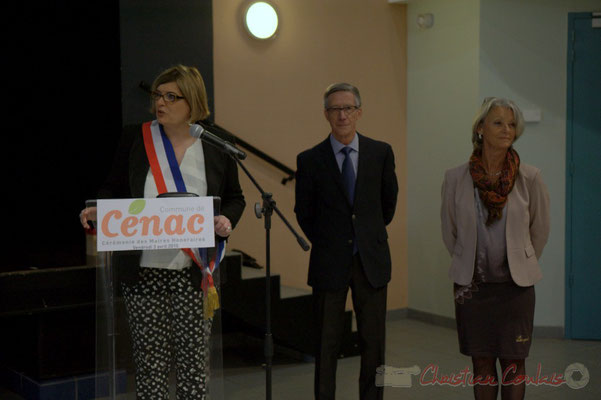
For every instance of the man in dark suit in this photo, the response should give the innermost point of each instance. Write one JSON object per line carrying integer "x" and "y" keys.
{"x": 346, "y": 192}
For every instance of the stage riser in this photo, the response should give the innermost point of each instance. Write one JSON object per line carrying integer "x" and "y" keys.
{"x": 48, "y": 321}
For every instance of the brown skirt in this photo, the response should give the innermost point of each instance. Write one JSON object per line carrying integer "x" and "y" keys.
{"x": 496, "y": 321}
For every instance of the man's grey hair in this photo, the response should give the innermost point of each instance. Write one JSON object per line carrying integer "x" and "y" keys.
{"x": 341, "y": 87}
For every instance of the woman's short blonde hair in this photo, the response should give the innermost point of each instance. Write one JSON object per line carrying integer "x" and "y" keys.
{"x": 488, "y": 104}
{"x": 190, "y": 82}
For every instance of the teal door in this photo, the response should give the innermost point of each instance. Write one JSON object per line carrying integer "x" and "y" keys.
{"x": 583, "y": 186}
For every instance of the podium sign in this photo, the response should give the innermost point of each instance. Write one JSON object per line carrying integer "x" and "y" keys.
{"x": 155, "y": 224}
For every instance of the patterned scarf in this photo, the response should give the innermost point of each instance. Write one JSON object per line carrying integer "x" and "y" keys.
{"x": 494, "y": 195}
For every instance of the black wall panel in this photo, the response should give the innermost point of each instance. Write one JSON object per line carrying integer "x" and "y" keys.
{"x": 71, "y": 80}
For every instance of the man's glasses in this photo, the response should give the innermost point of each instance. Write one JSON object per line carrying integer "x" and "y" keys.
{"x": 169, "y": 97}
{"x": 347, "y": 110}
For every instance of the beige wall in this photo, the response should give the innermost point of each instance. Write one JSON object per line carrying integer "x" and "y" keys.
{"x": 442, "y": 95}
{"x": 269, "y": 94}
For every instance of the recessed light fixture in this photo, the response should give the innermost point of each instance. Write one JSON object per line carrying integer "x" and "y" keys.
{"x": 261, "y": 20}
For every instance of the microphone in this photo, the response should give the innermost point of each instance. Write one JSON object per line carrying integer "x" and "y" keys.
{"x": 201, "y": 133}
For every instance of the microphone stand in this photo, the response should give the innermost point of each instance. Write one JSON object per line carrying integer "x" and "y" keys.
{"x": 266, "y": 210}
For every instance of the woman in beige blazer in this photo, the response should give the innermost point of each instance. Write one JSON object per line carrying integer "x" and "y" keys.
{"x": 495, "y": 223}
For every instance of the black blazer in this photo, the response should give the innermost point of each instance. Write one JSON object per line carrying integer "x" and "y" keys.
{"x": 128, "y": 175}
{"x": 328, "y": 220}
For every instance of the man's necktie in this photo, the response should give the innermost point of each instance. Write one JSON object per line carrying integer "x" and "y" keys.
{"x": 348, "y": 174}
{"x": 348, "y": 177}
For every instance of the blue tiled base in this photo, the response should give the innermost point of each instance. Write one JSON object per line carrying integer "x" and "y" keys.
{"x": 72, "y": 388}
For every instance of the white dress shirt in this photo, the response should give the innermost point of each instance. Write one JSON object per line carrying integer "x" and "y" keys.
{"x": 193, "y": 172}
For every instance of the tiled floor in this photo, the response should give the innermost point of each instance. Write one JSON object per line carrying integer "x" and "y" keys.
{"x": 416, "y": 345}
{"x": 411, "y": 343}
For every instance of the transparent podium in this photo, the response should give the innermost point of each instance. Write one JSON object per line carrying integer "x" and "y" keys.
{"x": 151, "y": 330}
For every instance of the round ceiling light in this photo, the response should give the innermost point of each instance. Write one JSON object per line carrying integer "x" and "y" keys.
{"x": 261, "y": 20}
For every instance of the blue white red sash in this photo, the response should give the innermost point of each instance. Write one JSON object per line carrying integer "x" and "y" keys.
{"x": 168, "y": 178}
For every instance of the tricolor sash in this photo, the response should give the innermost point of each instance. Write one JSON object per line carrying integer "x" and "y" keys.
{"x": 163, "y": 163}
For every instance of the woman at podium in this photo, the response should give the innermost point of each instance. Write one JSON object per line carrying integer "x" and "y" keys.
{"x": 167, "y": 298}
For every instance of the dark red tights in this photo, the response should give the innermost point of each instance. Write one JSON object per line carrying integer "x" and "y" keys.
{"x": 485, "y": 372}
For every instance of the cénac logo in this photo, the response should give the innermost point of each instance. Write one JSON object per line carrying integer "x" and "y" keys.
{"x": 171, "y": 224}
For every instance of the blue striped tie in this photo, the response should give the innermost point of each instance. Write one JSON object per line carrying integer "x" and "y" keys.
{"x": 348, "y": 178}
{"x": 348, "y": 174}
